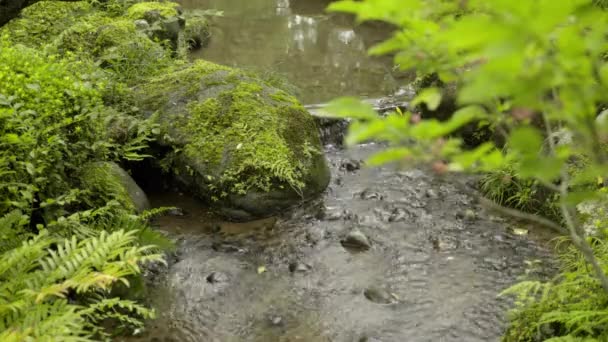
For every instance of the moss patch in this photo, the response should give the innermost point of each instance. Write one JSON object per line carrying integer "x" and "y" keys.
{"x": 165, "y": 9}
{"x": 117, "y": 45}
{"x": 109, "y": 182}
{"x": 40, "y": 23}
{"x": 235, "y": 132}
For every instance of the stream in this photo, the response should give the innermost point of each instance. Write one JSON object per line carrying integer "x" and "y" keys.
{"x": 436, "y": 260}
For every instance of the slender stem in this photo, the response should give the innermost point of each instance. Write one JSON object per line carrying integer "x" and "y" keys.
{"x": 577, "y": 239}
{"x": 522, "y": 215}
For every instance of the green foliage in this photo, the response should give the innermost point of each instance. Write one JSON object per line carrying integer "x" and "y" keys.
{"x": 505, "y": 187}
{"x": 63, "y": 244}
{"x": 536, "y": 71}
{"x": 570, "y": 307}
{"x": 164, "y": 9}
{"x": 41, "y": 22}
{"x": 49, "y": 127}
{"x": 42, "y": 280}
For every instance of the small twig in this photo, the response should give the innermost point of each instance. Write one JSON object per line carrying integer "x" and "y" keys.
{"x": 522, "y": 215}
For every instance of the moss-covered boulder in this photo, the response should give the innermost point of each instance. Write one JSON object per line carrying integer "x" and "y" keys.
{"x": 164, "y": 19}
{"x": 42, "y": 22}
{"x": 116, "y": 44}
{"x": 108, "y": 181}
{"x": 248, "y": 147}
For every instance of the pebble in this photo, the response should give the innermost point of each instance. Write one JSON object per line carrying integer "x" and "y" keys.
{"x": 467, "y": 215}
{"x": 299, "y": 267}
{"x": 176, "y": 212}
{"x": 369, "y": 339}
{"x": 226, "y": 248}
{"x": 351, "y": 165}
{"x": 368, "y": 194}
{"x": 378, "y": 295}
{"x": 430, "y": 193}
{"x": 356, "y": 240}
{"x": 216, "y": 277}
{"x": 398, "y": 215}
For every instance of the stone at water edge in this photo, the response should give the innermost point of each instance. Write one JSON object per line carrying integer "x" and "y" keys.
{"x": 109, "y": 179}
{"x": 250, "y": 149}
{"x": 379, "y": 295}
{"x": 356, "y": 240}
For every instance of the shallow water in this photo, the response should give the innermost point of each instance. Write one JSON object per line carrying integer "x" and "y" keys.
{"x": 323, "y": 55}
{"x": 439, "y": 272}
{"x": 433, "y": 271}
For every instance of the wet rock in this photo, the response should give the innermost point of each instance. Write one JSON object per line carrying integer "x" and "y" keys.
{"x": 229, "y": 166}
{"x": 356, "y": 240}
{"x": 383, "y": 214}
{"x": 141, "y": 24}
{"x": 227, "y": 248}
{"x": 368, "y": 194}
{"x": 349, "y": 215}
{"x": 299, "y": 267}
{"x": 350, "y": 165}
{"x": 333, "y": 215}
{"x": 276, "y": 320}
{"x": 369, "y": 339}
{"x": 398, "y": 215}
{"x": 442, "y": 244}
{"x": 217, "y": 277}
{"x": 497, "y": 264}
{"x": 115, "y": 183}
{"x": 379, "y": 295}
{"x": 315, "y": 234}
{"x": 430, "y": 193}
{"x": 467, "y": 215}
{"x": 178, "y": 212}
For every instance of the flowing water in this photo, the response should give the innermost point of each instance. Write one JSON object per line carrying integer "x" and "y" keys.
{"x": 323, "y": 55}
{"x": 437, "y": 258}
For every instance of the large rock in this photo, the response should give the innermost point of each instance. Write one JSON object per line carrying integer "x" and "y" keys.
{"x": 250, "y": 148}
{"x": 108, "y": 181}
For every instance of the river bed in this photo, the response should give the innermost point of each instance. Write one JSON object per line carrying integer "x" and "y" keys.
{"x": 436, "y": 260}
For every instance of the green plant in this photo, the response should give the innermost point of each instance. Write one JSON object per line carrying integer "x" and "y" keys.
{"x": 58, "y": 290}
{"x": 64, "y": 245}
{"x": 532, "y": 68}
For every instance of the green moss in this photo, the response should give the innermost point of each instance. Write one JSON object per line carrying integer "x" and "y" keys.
{"x": 42, "y": 22}
{"x": 245, "y": 134}
{"x": 236, "y": 123}
{"x": 197, "y": 32}
{"x": 116, "y": 45}
{"x": 104, "y": 181}
{"x": 180, "y": 79}
{"x": 165, "y": 9}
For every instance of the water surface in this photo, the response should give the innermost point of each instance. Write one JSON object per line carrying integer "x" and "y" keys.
{"x": 323, "y": 55}
{"x": 437, "y": 260}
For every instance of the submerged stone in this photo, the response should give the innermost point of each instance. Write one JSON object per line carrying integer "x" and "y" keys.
{"x": 247, "y": 147}
{"x": 379, "y": 295}
{"x": 356, "y": 240}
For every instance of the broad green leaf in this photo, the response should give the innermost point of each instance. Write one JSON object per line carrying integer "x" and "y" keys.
{"x": 526, "y": 140}
{"x": 349, "y": 107}
{"x": 389, "y": 155}
{"x": 429, "y": 96}
{"x": 547, "y": 169}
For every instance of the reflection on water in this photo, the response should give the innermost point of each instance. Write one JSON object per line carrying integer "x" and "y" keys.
{"x": 324, "y": 55}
